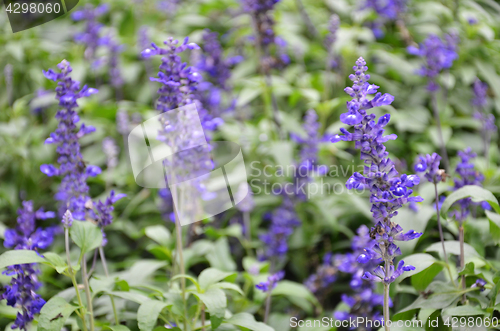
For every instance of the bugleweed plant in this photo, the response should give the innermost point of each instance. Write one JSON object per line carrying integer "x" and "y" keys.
{"x": 367, "y": 207}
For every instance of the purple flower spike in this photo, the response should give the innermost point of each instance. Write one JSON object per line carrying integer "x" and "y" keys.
{"x": 389, "y": 190}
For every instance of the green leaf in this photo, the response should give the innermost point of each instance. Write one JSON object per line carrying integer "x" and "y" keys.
{"x": 464, "y": 311}
{"x": 211, "y": 276}
{"x": 495, "y": 290}
{"x": 56, "y": 261}
{"x": 468, "y": 269}
{"x": 20, "y": 256}
{"x": 215, "y": 301}
{"x": 86, "y": 235}
{"x": 494, "y": 220}
{"x": 220, "y": 256}
{"x": 148, "y": 313}
{"x": 420, "y": 261}
{"x": 131, "y": 296}
{"x": 54, "y": 313}
{"x": 248, "y": 321}
{"x": 158, "y": 233}
{"x": 228, "y": 286}
{"x": 476, "y": 193}
{"x": 439, "y": 295}
{"x": 117, "y": 327}
{"x": 292, "y": 289}
{"x": 421, "y": 280}
{"x": 453, "y": 247}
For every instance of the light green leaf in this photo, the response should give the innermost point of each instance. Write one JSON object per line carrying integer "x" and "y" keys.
{"x": 494, "y": 221}
{"x": 288, "y": 288}
{"x": 453, "y": 247}
{"x": 215, "y": 301}
{"x": 117, "y": 327}
{"x": 211, "y": 276}
{"x": 420, "y": 261}
{"x": 148, "y": 313}
{"x": 56, "y": 261}
{"x": 131, "y": 296}
{"x": 86, "y": 235}
{"x": 476, "y": 193}
{"x": 228, "y": 286}
{"x": 54, "y": 313}
{"x": 20, "y": 256}
{"x": 220, "y": 257}
{"x": 158, "y": 233}
{"x": 464, "y": 311}
{"x": 247, "y": 320}
{"x": 439, "y": 295}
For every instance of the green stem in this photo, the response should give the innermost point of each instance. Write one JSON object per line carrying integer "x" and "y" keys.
{"x": 87, "y": 291}
{"x": 71, "y": 274}
{"x": 386, "y": 303}
{"x": 182, "y": 270}
{"x": 105, "y": 267}
{"x": 435, "y": 110}
{"x": 441, "y": 236}
{"x": 462, "y": 257}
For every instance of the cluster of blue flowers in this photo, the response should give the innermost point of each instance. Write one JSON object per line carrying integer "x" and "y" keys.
{"x": 266, "y": 38}
{"x": 218, "y": 72}
{"x": 363, "y": 301}
{"x": 386, "y": 10}
{"x": 429, "y": 164}
{"x": 466, "y": 174}
{"x": 308, "y": 159}
{"x": 73, "y": 190}
{"x": 92, "y": 38}
{"x": 271, "y": 282}
{"x": 438, "y": 55}
{"x": 330, "y": 39}
{"x": 487, "y": 120}
{"x": 283, "y": 220}
{"x": 389, "y": 190}
{"x": 21, "y": 293}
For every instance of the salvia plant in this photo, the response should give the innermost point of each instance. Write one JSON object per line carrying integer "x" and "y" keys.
{"x": 367, "y": 207}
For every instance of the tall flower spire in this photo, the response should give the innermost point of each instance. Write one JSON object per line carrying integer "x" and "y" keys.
{"x": 389, "y": 190}
{"x": 73, "y": 190}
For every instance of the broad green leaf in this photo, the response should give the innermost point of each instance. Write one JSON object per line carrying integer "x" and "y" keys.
{"x": 54, "y": 313}
{"x": 420, "y": 261}
{"x": 228, "y": 286}
{"x": 211, "y": 276}
{"x": 453, "y": 247}
{"x": 131, "y": 296}
{"x": 467, "y": 310}
{"x": 220, "y": 256}
{"x": 56, "y": 261}
{"x": 20, "y": 256}
{"x": 468, "y": 269}
{"x": 247, "y": 320}
{"x": 141, "y": 270}
{"x": 421, "y": 280}
{"x": 86, "y": 235}
{"x": 289, "y": 288}
{"x": 215, "y": 301}
{"x": 495, "y": 290}
{"x": 494, "y": 220}
{"x": 438, "y": 295}
{"x": 148, "y": 313}
{"x": 158, "y": 233}
{"x": 117, "y": 327}
{"x": 476, "y": 193}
